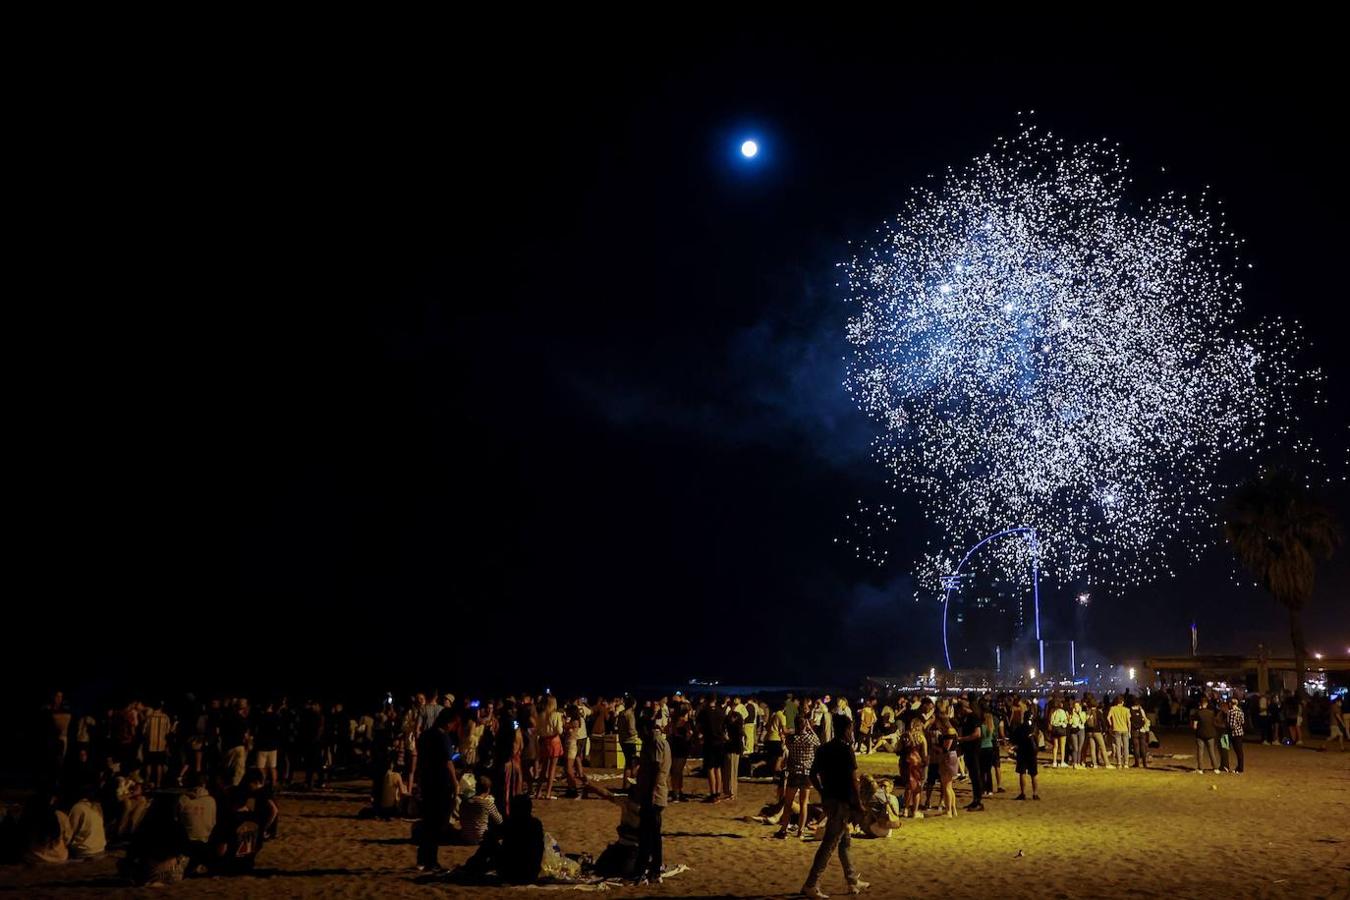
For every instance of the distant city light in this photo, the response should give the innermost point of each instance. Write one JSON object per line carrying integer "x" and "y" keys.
{"x": 1084, "y": 599}
{"x": 1318, "y": 655}
{"x": 749, "y": 149}
{"x": 1033, "y": 674}
{"x": 1132, "y": 674}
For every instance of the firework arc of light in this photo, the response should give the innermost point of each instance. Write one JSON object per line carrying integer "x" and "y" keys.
{"x": 1039, "y": 349}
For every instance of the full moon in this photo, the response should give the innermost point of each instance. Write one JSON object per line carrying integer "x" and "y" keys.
{"x": 749, "y": 149}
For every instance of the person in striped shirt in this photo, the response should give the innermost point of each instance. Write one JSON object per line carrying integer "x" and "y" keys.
{"x": 477, "y": 814}
{"x": 155, "y": 731}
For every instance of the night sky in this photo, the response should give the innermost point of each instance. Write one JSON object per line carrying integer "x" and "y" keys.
{"x": 509, "y": 372}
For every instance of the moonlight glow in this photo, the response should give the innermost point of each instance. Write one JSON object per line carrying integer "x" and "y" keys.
{"x": 1042, "y": 350}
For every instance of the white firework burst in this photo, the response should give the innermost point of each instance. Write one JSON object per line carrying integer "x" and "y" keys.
{"x": 1040, "y": 350}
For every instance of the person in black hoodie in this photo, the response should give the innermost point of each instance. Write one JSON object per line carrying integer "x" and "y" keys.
{"x": 514, "y": 849}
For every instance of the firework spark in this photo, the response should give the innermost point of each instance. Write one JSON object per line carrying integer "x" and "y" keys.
{"x": 1042, "y": 351}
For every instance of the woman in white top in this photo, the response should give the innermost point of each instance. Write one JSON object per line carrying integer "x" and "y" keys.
{"x": 550, "y": 746}
{"x": 1059, "y": 730}
{"x": 1077, "y": 727}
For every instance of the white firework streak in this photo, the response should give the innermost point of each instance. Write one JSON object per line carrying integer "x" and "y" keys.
{"x": 1040, "y": 351}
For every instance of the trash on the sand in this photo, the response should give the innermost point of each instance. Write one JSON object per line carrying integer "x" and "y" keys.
{"x": 1019, "y": 855}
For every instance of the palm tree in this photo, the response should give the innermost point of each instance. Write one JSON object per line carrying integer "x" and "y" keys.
{"x": 1279, "y": 532}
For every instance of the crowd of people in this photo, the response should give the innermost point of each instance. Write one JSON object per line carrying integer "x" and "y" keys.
{"x": 194, "y": 788}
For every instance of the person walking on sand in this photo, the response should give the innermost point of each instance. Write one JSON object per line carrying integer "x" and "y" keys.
{"x": 835, "y": 775}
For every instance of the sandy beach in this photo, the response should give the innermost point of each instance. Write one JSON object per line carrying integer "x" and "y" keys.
{"x": 1281, "y": 830}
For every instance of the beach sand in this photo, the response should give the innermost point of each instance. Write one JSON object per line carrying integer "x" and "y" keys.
{"x": 1281, "y": 830}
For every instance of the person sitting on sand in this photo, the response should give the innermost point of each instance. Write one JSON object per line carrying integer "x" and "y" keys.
{"x": 237, "y": 839}
{"x": 87, "y": 835}
{"x": 133, "y": 804}
{"x": 477, "y": 814}
{"x": 44, "y": 831}
{"x": 388, "y": 792}
{"x": 196, "y": 817}
{"x": 156, "y": 854}
{"x": 881, "y": 809}
{"x": 515, "y": 849}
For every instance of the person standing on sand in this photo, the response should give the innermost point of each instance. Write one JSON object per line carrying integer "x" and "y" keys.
{"x": 972, "y": 732}
{"x": 1237, "y": 727}
{"x": 733, "y": 748}
{"x": 438, "y": 779}
{"x": 1077, "y": 722}
{"x": 802, "y": 745}
{"x": 652, "y": 791}
{"x": 626, "y": 725}
{"x": 913, "y": 751}
{"x": 867, "y": 718}
{"x": 712, "y": 725}
{"x": 1059, "y": 733}
{"x": 1205, "y": 725}
{"x": 1024, "y": 745}
{"x": 1096, "y": 742}
{"x": 1336, "y": 715}
{"x": 1119, "y": 718}
{"x": 835, "y": 775}
{"x": 1139, "y": 733}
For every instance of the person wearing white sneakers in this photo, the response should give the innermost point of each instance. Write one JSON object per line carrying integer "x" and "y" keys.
{"x": 1119, "y": 719}
{"x": 835, "y": 774}
{"x": 1205, "y": 725}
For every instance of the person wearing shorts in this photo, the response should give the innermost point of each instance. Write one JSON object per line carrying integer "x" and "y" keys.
{"x": 712, "y": 725}
{"x": 801, "y": 755}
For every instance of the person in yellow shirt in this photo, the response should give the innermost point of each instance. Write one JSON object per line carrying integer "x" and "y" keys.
{"x": 867, "y": 718}
{"x": 1119, "y": 717}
